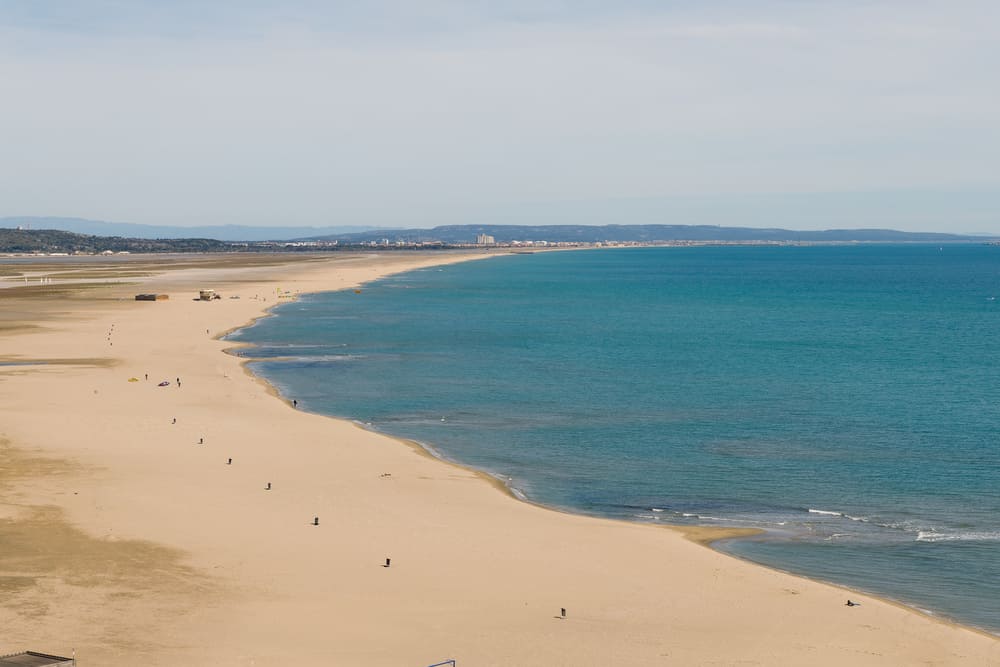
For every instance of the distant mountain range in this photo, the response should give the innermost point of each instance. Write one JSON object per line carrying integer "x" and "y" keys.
{"x": 131, "y": 230}
{"x": 463, "y": 234}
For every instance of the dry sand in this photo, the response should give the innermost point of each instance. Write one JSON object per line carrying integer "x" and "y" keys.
{"x": 123, "y": 538}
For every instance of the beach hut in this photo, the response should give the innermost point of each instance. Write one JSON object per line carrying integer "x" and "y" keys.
{"x": 33, "y": 659}
{"x": 208, "y": 295}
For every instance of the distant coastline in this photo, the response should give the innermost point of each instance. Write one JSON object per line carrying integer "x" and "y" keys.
{"x": 70, "y": 236}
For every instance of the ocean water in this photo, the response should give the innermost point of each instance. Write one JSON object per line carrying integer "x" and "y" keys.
{"x": 845, "y": 399}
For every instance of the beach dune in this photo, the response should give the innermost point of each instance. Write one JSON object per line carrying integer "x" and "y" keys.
{"x": 214, "y": 523}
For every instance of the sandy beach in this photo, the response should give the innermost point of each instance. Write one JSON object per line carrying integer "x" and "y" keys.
{"x": 170, "y": 525}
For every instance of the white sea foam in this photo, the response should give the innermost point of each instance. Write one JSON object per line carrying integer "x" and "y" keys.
{"x": 860, "y": 519}
{"x": 972, "y": 536}
{"x": 825, "y": 512}
{"x": 909, "y": 526}
{"x": 656, "y": 509}
{"x": 326, "y": 357}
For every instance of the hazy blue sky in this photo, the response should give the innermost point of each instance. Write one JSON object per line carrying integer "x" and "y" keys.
{"x": 805, "y": 114}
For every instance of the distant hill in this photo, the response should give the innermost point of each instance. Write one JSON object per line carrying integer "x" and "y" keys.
{"x": 637, "y": 233}
{"x": 218, "y": 232}
{"x": 147, "y": 238}
{"x": 50, "y": 240}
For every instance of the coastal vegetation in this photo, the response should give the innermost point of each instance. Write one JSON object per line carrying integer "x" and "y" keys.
{"x": 54, "y": 241}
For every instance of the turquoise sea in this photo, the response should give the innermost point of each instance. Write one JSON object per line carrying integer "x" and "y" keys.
{"x": 846, "y": 399}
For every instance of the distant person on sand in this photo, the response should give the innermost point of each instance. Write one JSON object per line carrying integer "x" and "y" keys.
{"x": 853, "y": 604}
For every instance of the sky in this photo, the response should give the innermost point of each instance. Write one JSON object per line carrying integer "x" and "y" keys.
{"x": 803, "y": 114}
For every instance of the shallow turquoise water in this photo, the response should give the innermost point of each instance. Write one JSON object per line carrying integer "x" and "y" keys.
{"x": 843, "y": 398}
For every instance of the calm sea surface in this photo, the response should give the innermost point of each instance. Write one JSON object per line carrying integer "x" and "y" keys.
{"x": 845, "y": 399}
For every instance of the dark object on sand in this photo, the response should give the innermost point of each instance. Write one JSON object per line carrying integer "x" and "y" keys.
{"x": 35, "y": 659}
{"x": 316, "y": 521}
{"x": 268, "y": 487}
{"x": 853, "y": 604}
{"x": 165, "y": 383}
{"x": 562, "y": 612}
{"x": 388, "y": 561}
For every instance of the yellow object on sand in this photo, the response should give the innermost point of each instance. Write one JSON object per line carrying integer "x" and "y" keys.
{"x": 133, "y": 379}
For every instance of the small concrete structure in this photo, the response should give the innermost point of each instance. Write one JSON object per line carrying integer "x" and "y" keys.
{"x": 33, "y": 659}
{"x": 208, "y": 295}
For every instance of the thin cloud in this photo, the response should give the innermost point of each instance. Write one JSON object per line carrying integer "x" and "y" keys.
{"x": 725, "y": 31}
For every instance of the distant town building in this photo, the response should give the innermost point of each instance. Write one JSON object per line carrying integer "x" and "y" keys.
{"x": 485, "y": 239}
